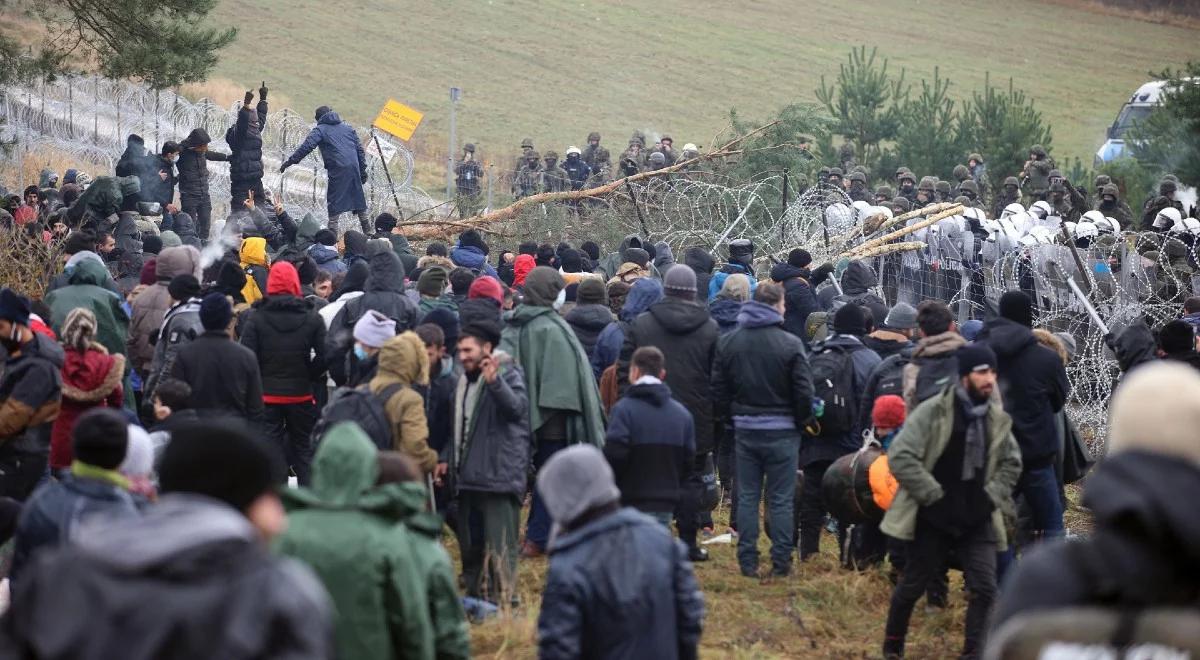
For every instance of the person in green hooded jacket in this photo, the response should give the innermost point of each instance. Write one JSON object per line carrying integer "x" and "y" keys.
{"x": 377, "y": 554}
{"x": 86, "y": 288}
{"x": 564, "y": 401}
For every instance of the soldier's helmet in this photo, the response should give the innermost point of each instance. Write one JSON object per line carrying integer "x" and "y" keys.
{"x": 593, "y": 137}
{"x": 550, "y": 155}
{"x": 1038, "y": 150}
{"x": 836, "y": 171}
{"x": 1102, "y": 180}
{"x": 907, "y": 176}
{"x": 532, "y": 156}
{"x": 469, "y": 148}
{"x": 1012, "y": 181}
{"x": 884, "y": 192}
{"x": 961, "y": 172}
{"x": 969, "y": 185}
{"x": 942, "y": 187}
{"x": 928, "y": 184}
{"x": 527, "y": 143}
{"x": 902, "y": 170}
{"x": 1055, "y": 174}
{"x": 858, "y": 176}
{"x": 1110, "y": 189}
{"x": 975, "y": 157}
{"x": 658, "y": 158}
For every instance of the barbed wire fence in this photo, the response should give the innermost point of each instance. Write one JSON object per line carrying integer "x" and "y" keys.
{"x": 88, "y": 118}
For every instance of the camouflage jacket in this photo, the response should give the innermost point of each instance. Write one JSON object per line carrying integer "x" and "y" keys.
{"x": 554, "y": 179}
{"x": 527, "y": 181}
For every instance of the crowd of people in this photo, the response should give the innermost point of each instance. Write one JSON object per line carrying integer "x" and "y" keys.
{"x": 255, "y": 455}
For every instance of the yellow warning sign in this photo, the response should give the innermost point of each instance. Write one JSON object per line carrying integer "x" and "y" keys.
{"x": 398, "y": 119}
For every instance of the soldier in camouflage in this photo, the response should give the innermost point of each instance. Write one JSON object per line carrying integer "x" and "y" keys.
{"x": 1066, "y": 200}
{"x": 526, "y": 149}
{"x": 1009, "y": 194}
{"x": 554, "y": 177}
{"x": 1037, "y": 173}
{"x": 926, "y": 192}
{"x": 883, "y": 195}
{"x": 1098, "y": 185}
{"x": 906, "y": 185}
{"x": 633, "y": 159}
{"x": 970, "y": 190}
{"x": 468, "y": 178}
{"x": 978, "y": 170}
{"x": 594, "y": 154}
{"x": 942, "y": 192}
{"x": 1112, "y": 206}
{"x": 528, "y": 179}
{"x": 858, "y": 188}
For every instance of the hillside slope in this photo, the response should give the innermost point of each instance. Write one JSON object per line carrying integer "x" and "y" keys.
{"x": 553, "y": 69}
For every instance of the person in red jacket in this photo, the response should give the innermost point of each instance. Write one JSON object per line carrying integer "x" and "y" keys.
{"x": 91, "y": 378}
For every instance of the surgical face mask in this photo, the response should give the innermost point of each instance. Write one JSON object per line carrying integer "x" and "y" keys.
{"x": 560, "y": 300}
{"x": 359, "y": 352}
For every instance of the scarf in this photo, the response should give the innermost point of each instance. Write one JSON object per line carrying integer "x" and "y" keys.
{"x": 976, "y": 415}
{"x": 86, "y": 471}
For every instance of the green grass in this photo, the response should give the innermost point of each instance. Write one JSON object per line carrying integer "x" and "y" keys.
{"x": 554, "y": 70}
{"x": 820, "y": 611}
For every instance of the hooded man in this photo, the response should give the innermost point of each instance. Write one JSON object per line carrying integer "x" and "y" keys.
{"x": 288, "y": 339}
{"x": 86, "y": 289}
{"x": 799, "y": 300}
{"x": 384, "y": 293}
{"x": 1137, "y": 560}
{"x": 223, "y": 374}
{"x": 345, "y": 164}
{"x": 684, "y": 331}
{"x": 611, "y": 263}
{"x": 590, "y": 315}
{"x": 218, "y": 509}
{"x": 151, "y": 305}
{"x": 564, "y": 402}
{"x": 193, "y": 179}
{"x": 1033, "y": 384}
{"x": 30, "y": 397}
{"x": 741, "y": 260}
{"x": 246, "y": 149}
{"x": 403, "y": 362}
{"x": 472, "y": 252}
{"x": 612, "y": 570}
{"x": 394, "y": 593}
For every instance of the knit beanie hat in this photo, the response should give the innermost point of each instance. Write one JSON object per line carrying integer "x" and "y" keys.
{"x": 183, "y": 287}
{"x": 486, "y": 286}
{"x": 571, "y": 261}
{"x": 637, "y": 256}
{"x": 680, "y": 283}
{"x": 219, "y": 459}
{"x": 888, "y": 412}
{"x": 1177, "y": 336}
{"x": 374, "y": 329}
{"x": 850, "y": 319}
{"x": 148, "y": 275}
{"x": 1016, "y": 306}
{"x": 100, "y": 437}
{"x": 215, "y": 312}
{"x": 799, "y": 257}
{"x": 152, "y": 244}
{"x": 974, "y": 357}
{"x": 901, "y": 317}
{"x": 139, "y": 453}
{"x": 574, "y": 481}
{"x": 591, "y": 292}
{"x": 325, "y": 237}
{"x": 971, "y": 329}
{"x": 432, "y": 281}
{"x": 170, "y": 239}
{"x": 1157, "y": 409}
{"x": 14, "y": 308}
{"x": 447, "y": 320}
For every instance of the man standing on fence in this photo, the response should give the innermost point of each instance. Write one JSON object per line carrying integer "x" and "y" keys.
{"x": 345, "y": 162}
{"x": 246, "y": 147}
{"x": 193, "y": 178}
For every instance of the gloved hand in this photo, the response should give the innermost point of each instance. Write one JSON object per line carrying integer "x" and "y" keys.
{"x": 286, "y": 164}
{"x": 364, "y": 178}
{"x": 262, "y": 91}
{"x": 249, "y": 97}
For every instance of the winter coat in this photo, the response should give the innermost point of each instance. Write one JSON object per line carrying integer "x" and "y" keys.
{"x": 133, "y": 159}
{"x": 619, "y": 587}
{"x": 399, "y": 364}
{"x": 1135, "y": 345}
{"x": 886, "y": 343}
{"x": 1141, "y": 553}
{"x": 610, "y": 263}
{"x": 799, "y": 299}
{"x": 556, "y": 371}
{"x": 327, "y": 259}
{"x": 223, "y": 376}
{"x": 89, "y": 379}
{"x": 198, "y": 583}
{"x": 152, "y": 304}
{"x": 687, "y": 336}
{"x": 497, "y": 444}
{"x": 858, "y": 283}
{"x": 57, "y": 509}
{"x": 725, "y": 312}
{"x": 919, "y": 445}
{"x": 402, "y": 250}
{"x": 288, "y": 338}
{"x": 479, "y": 309}
{"x": 473, "y": 258}
{"x": 732, "y": 268}
{"x": 30, "y": 396}
{"x": 937, "y": 355}
{"x": 185, "y": 228}
{"x": 761, "y": 369}
{"x": 384, "y": 293}
{"x": 702, "y": 263}
{"x": 344, "y": 159}
{"x": 87, "y": 290}
{"x": 193, "y": 166}
{"x": 588, "y": 321}
{"x": 101, "y": 199}
{"x": 352, "y": 533}
{"x": 1033, "y": 384}
{"x": 246, "y": 146}
{"x": 651, "y": 445}
{"x": 154, "y": 187}
{"x": 886, "y": 378}
{"x": 862, "y": 361}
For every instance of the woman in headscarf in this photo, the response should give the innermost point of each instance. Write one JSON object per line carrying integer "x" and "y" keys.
{"x": 90, "y": 378}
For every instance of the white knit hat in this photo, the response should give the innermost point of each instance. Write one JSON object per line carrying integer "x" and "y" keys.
{"x": 374, "y": 329}
{"x": 1157, "y": 409}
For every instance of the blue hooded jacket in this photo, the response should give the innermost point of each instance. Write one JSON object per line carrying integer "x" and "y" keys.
{"x": 345, "y": 162}
{"x": 644, "y": 293}
{"x": 469, "y": 256}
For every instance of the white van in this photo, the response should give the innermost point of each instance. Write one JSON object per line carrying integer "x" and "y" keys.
{"x": 1138, "y": 108}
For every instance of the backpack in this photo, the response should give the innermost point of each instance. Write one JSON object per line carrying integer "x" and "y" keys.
{"x": 833, "y": 382}
{"x": 934, "y": 376}
{"x": 361, "y": 406}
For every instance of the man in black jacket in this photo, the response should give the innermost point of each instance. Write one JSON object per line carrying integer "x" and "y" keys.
{"x": 799, "y": 299}
{"x": 193, "y": 178}
{"x": 245, "y": 146}
{"x": 1033, "y": 383}
{"x": 288, "y": 338}
{"x": 384, "y": 293}
{"x": 223, "y": 374}
{"x": 682, "y": 329}
{"x": 761, "y": 380}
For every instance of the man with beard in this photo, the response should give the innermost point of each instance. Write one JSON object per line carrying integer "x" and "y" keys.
{"x": 956, "y": 461}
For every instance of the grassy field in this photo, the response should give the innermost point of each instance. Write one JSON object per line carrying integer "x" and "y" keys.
{"x": 820, "y": 611}
{"x": 554, "y": 70}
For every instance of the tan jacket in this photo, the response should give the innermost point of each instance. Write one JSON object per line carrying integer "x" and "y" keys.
{"x": 403, "y": 360}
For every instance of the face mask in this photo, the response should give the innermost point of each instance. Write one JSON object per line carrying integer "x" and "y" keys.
{"x": 560, "y": 300}
{"x": 360, "y": 352}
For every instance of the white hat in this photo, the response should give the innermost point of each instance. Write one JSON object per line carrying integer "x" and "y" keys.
{"x": 1157, "y": 409}
{"x": 1012, "y": 209}
{"x": 573, "y": 150}
{"x": 690, "y": 147}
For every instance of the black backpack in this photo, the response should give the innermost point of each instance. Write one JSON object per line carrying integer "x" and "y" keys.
{"x": 935, "y": 376}
{"x": 360, "y": 406}
{"x": 833, "y": 382}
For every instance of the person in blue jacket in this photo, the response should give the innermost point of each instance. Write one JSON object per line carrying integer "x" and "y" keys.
{"x": 345, "y": 162}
